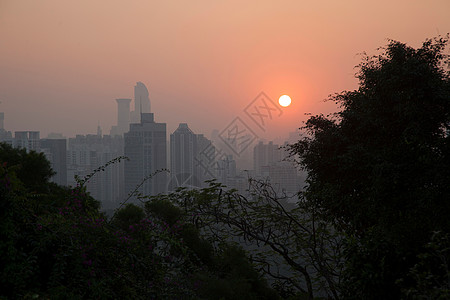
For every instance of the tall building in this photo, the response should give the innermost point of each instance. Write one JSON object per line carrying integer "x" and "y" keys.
{"x": 88, "y": 152}
{"x": 206, "y": 159}
{"x": 141, "y": 102}
{"x": 265, "y": 154}
{"x": 29, "y": 140}
{"x": 283, "y": 176}
{"x": 269, "y": 164}
{"x": 192, "y": 158}
{"x": 145, "y": 145}
{"x": 5, "y": 136}
{"x": 226, "y": 169}
{"x": 123, "y": 116}
{"x": 183, "y": 149}
{"x": 56, "y": 152}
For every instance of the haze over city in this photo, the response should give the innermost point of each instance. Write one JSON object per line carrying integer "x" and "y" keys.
{"x": 152, "y": 150}
{"x": 63, "y": 63}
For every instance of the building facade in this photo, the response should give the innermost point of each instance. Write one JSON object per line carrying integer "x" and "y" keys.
{"x": 29, "y": 140}
{"x": 141, "y": 102}
{"x": 88, "y": 152}
{"x": 145, "y": 144}
{"x": 270, "y": 165}
{"x": 191, "y": 158}
{"x": 56, "y": 152}
{"x": 265, "y": 154}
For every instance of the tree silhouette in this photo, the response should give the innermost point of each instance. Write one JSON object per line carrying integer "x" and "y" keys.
{"x": 379, "y": 169}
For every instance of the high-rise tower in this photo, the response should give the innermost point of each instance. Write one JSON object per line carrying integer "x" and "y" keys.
{"x": 56, "y": 152}
{"x": 190, "y": 158}
{"x": 265, "y": 154}
{"x": 123, "y": 115}
{"x": 183, "y": 148}
{"x": 29, "y": 140}
{"x": 141, "y": 102}
{"x": 145, "y": 146}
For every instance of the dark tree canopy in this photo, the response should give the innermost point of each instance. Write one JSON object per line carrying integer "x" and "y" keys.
{"x": 380, "y": 168}
{"x": 32, "y": 168}
{"x": 56, "y": 244}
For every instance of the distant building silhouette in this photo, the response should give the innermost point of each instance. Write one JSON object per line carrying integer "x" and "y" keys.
{"x": 55, "y": 135}
{"x": 183, "y": 149}
{"x": 88, "y": 152}
{"x": 146, "y": 147}
{"x": 283, "y": 177}
{"x": 99, "y": 131}
{"x": 226, "y": 170}
{"x": 189, "y": 153}
{"x": 141, "y": 102}
{"x": 123, "y": 117}
{"x": 56, "y": 152}
{"x": 53, "y": 149}
{"x": 29, "y": 140}
{"x": 264, "y": 155}
{"x": 5, "y": 136}
{"x": 206, "y": 158}
{"x": 269, "y": 163}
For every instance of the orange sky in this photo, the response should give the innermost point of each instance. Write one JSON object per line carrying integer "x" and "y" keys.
{"x": 63, "y": 63}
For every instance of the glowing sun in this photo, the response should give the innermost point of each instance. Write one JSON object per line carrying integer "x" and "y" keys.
{"x": 285, "y": 100}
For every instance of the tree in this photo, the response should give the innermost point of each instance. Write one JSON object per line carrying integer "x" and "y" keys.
{"x": 379, "y": 169}
{"x": 56, "y": 244}
{"x": 225, "y": 271}
{"x": 299, "y": 253}
{"x": 32, "y": 168}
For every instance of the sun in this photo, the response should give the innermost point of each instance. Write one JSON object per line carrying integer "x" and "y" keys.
{"x": 284, "y": 100}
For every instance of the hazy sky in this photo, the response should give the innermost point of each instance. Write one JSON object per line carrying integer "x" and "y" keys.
{"x": 63, "y": 63}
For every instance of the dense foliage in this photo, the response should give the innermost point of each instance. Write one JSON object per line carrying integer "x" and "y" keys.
{"x": 31, "y": 168}
{"x": 56, "y": 244}
{"x": 299, "y": 253}
{"x": 380, "y": 168}
{"x": 372, "y": 223}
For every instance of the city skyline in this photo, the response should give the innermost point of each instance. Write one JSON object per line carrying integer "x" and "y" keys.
{"x": 64, "y": 64}
{"x": 233, "y": 149}
{"x": 189, "y": 159}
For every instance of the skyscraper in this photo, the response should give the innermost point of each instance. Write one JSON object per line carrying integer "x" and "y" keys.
{"x": 183, "y": 148}
{"x": 87, "y": 153}
{"x": 270, "y": 165}
{"x": 56, "y": 152}
{"x": 5, "y": 136}
{"x": 226, "y": 169}
{"x": 30, "y": 140}
{"x": 265, "y": 154}
{"x": 145, "y": 146}
{"x": 206, "y": 159}
{"x": 123, "y": 115}
{"x": 141, "y": 102}
{"x": 189, "y": 160}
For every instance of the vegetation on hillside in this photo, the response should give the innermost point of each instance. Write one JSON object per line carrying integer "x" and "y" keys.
{"x": 372, "y": 223}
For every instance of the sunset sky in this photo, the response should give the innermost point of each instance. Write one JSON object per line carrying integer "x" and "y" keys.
{"x": 63, "y": 63}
